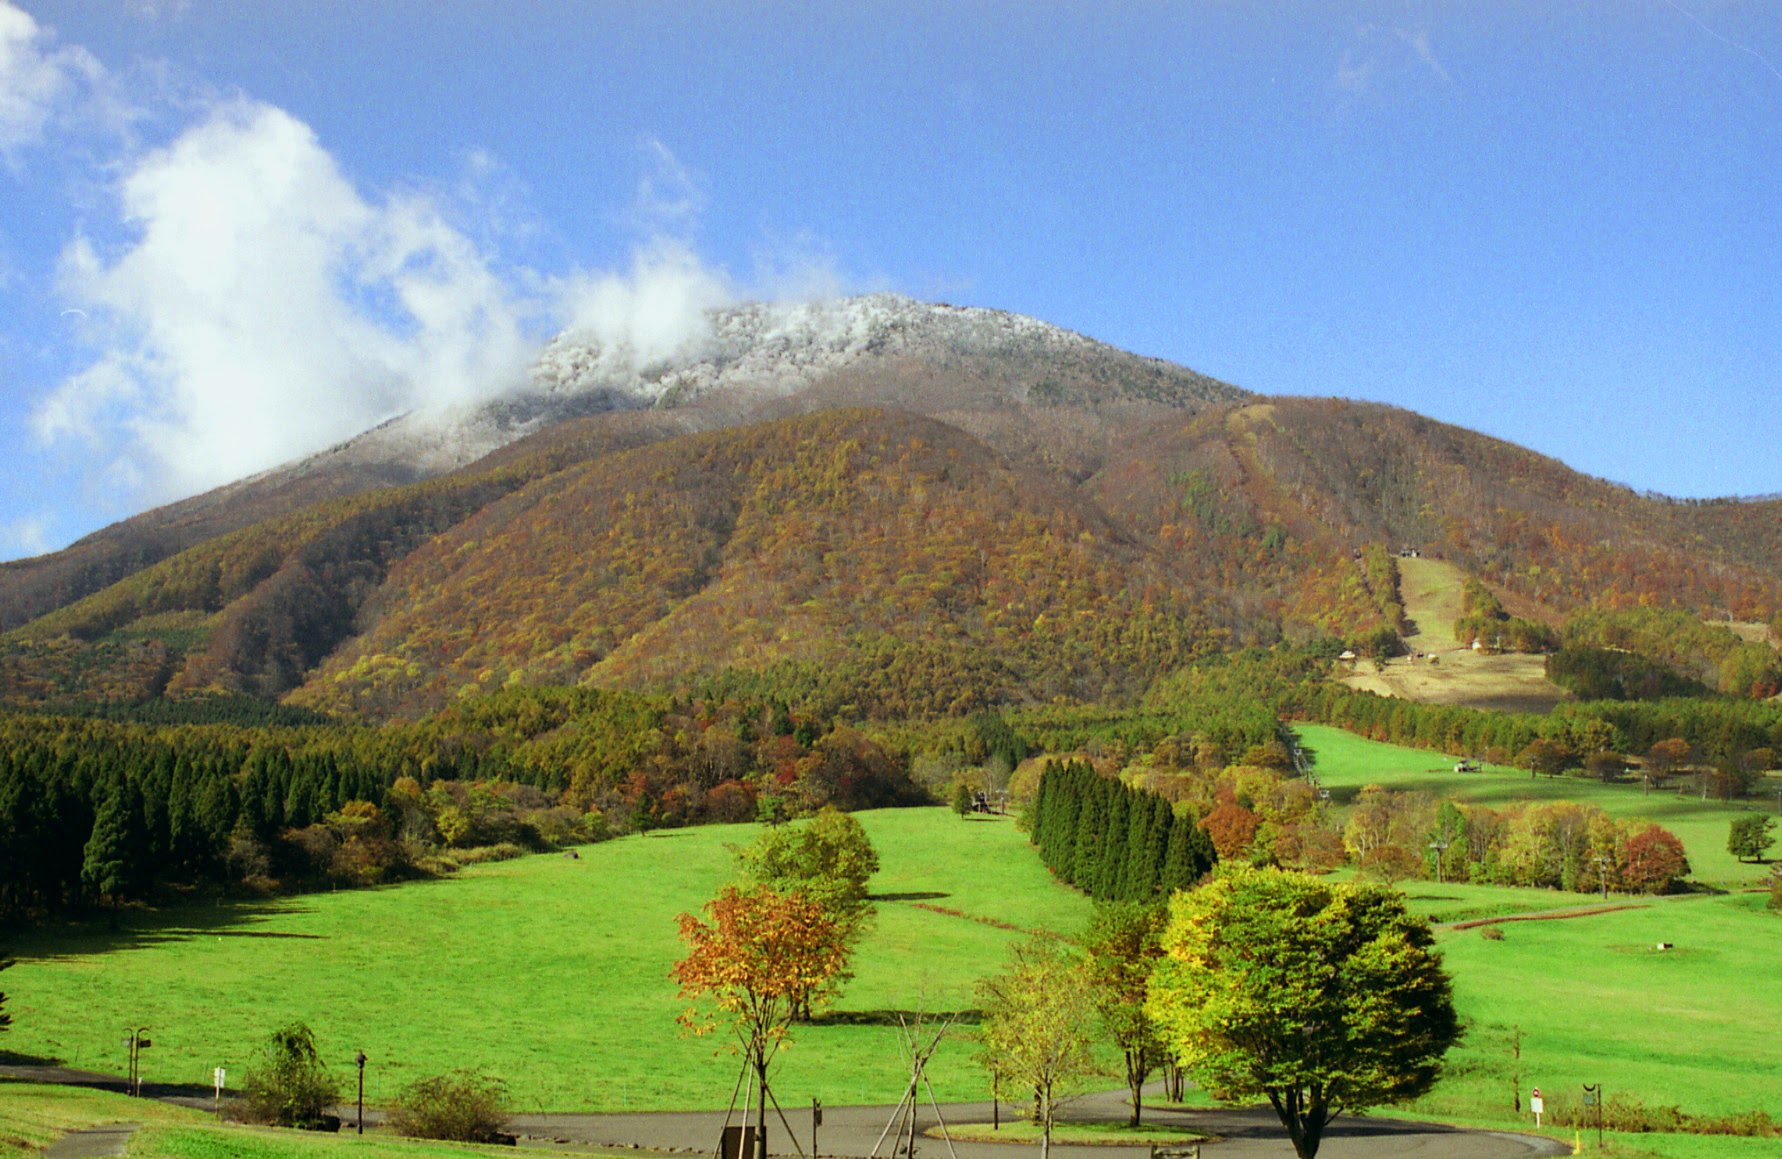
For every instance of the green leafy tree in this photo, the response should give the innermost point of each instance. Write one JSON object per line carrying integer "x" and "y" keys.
{"x": 1324, "y": 998}
{"x": 829, "y": 860}
{"x": 962, "y": 799}
{"x": 1750, "y": 837}
{"x": 5, "y": 1018}
{"x": 1123, "y": 945}
{"x": 289, "y": 1085}
{"x": 1035, "y": 1034}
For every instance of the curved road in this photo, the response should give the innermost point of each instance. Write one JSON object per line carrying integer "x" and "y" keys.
{"x": 1241, "y": 1133}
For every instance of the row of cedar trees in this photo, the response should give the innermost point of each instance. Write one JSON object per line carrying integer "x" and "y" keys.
{"x": 1113, "y": 842}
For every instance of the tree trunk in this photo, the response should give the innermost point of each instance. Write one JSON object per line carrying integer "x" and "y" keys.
{"x": 761, "y": 1111}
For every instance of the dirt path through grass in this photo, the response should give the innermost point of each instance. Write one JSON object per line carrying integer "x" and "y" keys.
{"x": 1431, "y": 589}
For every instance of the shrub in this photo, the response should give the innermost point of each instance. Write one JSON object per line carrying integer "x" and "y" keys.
{"x": 1632, "y": 1114}
{"x": 465, "y": 1106}
{"x": 482, "y": 854}
{"x": 288, "y": 1085}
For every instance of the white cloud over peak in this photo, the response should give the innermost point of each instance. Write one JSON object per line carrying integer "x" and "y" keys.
{"x": 263, "y": 308}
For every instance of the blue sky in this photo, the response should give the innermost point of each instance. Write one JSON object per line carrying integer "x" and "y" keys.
{"x": 232, "y": 232}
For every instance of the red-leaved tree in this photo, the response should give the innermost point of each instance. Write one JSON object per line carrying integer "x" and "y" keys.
{"x": 1652, "y": 859}
{"x": 763, "y": 955}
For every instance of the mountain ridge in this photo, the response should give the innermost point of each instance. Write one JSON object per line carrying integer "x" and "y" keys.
{"x": 1024, "y": 514}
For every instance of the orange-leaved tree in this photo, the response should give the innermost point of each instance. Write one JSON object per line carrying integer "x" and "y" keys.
{"x": 763, "y": 954}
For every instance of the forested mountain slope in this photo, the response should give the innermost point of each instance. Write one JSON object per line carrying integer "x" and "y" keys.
{"x": 747, "y": 363}
{"x": 1260, "y": 488}
{"x": 1022, "y": 516}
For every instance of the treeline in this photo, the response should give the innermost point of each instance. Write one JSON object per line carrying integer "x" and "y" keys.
{"x": 1609, "y": 674}
{"x": 1709, "y": 654}
{"x": 1113, "y": 842}
{"x": 1717, "y": 731}
{"x": 1556, "y": 845}
{"x": 96, "y": 811}
{"x": 1485, "y": 623}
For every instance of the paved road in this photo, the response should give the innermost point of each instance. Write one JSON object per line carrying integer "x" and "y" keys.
{"x": 1248, "y": 1133}
{"x": 1242, "y": 1133}
{"x": 92, "y": 1143}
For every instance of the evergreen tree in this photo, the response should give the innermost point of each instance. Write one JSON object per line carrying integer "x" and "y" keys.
{"x": 110, "y": 862}
{"x": 1109, "y": 874}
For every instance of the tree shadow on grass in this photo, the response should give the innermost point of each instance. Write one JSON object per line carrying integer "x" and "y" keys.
{"x": 928, "y": 1018}
{"x": 78, "y": 937}
{"x": 13, "y": 1058}
{"x": 919, "y": 896}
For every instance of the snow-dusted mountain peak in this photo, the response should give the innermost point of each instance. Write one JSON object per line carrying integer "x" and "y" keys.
{"x": 780, "y": 347}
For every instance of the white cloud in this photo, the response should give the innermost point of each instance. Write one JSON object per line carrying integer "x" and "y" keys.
{"x": 1417, "y": 39}
{"x": 263, "y": 308}
{"x": 653, "y": 312}
{"x": 24, "y": 537}
{"x": 1377, "y": 55}
{"x": 243, "y": 303}
{"x": 37, "y": 79}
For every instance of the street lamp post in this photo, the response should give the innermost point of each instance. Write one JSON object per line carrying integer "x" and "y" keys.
{"x": 360, "y": 1059}
{"x": 137, "y": 1044}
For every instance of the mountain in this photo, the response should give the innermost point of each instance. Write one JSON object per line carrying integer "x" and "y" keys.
{"x": 874, "y": 506}
{"x": 1027, "y": 386}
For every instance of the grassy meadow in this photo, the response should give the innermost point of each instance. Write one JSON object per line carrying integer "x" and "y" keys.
{"x": 1346, "y": 762}
{"x": 1595, "y": 1001}
{"x": 549, "y": 971}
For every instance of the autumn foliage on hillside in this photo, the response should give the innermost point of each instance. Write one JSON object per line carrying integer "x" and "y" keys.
{"x": 1302, "y": 483}
{"x": 811, "y": 541}
{"x": 881, "y": 565}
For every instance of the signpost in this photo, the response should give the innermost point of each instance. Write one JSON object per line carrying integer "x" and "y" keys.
{"x": 218, "y": 1076}
{"x": 1536, "y": 1105}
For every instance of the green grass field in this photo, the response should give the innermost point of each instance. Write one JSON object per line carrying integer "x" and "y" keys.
{"x": 1346, "y": 762}
{"x": 1596, "y": 1002}
{"x": 550, "y": 972}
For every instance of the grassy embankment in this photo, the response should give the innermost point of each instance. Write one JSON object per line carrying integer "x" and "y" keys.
{"x": 33, "y": 1115}
{"x": 1592, "y": 998}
